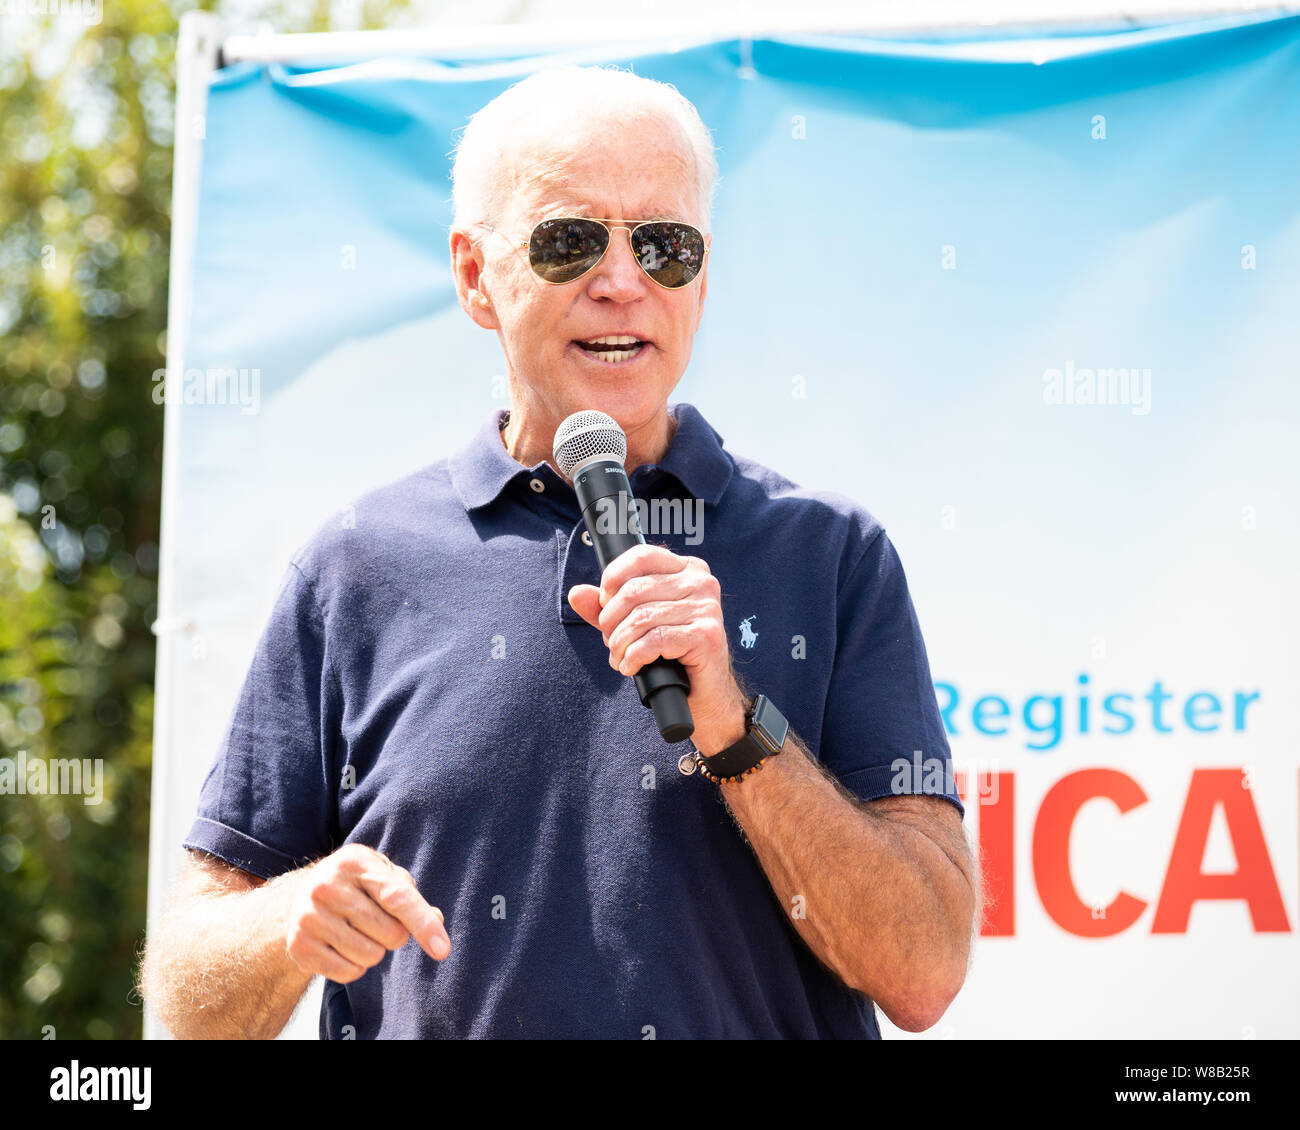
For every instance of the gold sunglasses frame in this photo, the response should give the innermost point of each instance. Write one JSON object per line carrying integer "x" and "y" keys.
{"x": 610, "y": 225}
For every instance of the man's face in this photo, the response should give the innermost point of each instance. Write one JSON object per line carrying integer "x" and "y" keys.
{"x": 633, "y": 169}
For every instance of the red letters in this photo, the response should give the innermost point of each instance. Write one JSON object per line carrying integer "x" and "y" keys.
{"x": 996, "y": 798}
{"x": 1253, "y": 881}
{"x": 1052, "y": 852}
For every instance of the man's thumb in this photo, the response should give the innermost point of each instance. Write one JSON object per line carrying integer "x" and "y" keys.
{"x": 585, "y": 601}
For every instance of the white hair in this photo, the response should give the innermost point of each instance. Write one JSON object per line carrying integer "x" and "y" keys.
{"x": 483, "y": 172}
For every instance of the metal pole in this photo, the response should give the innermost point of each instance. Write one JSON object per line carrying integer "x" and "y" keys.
{"x": 936, "y": 17}
{"x": 196, "y": 58}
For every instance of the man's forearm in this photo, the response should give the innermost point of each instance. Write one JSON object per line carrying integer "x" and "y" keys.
{"x": 219, "y": 968}
{"x": 883, "y": 893}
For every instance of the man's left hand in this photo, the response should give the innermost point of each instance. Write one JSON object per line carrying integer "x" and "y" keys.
{"x": 653, "y": 603}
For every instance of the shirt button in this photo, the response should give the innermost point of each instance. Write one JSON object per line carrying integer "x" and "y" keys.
{"x": 586, "y": 537}
{"x": 537, "y": 485}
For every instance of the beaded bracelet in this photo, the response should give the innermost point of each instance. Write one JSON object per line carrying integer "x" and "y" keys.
{"x": 698, "y": 762}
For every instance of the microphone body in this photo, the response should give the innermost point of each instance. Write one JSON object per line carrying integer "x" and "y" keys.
{"x": 611, "y": 516}
{"x": 609, "y": 509}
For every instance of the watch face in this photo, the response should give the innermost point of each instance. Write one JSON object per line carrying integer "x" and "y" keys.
{"x": 769, "y": 724}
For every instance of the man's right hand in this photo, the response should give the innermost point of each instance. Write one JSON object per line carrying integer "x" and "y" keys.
{"x": 351, "y": 908}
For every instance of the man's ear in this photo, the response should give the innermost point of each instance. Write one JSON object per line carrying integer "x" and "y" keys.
{"x": 704, "y": 286}
{"x": 467, "y": 273}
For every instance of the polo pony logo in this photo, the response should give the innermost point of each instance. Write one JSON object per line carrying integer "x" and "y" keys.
{"x": 748, "y": 637}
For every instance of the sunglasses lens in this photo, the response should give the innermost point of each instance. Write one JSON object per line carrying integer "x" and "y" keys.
{"x": 670, "y": 253}
{"x": 563, "y": 250}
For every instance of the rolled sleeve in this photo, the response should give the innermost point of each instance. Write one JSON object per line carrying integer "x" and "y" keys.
{"x": 268, "y": 804}
{"x": 882, "y": 734}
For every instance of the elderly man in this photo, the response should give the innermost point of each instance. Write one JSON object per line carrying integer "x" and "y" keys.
{"x": 440, "y": 790}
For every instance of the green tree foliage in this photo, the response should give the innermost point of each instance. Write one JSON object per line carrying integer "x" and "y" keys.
{"x": 85, "y": 167}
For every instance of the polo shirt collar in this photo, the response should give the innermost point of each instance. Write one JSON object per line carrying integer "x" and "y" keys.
{"x": 482, "y": 469}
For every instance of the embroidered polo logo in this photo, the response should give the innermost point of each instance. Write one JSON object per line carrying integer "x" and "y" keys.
{"x": 748, "y": 637}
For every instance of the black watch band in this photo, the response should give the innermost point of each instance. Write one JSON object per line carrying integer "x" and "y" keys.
{"x": 765, "y": 731}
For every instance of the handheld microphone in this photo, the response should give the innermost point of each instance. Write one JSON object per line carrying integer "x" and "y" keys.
{"x": 589, "y": 450}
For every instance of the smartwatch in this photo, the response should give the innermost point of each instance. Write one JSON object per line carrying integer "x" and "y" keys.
{"x": 765, "y": 731}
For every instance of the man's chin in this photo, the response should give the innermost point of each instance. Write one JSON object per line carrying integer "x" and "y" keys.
{"x": 632, "y": 404}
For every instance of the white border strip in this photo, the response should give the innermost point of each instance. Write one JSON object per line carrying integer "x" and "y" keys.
{"x": 196, "y": 58}
{"x": 937, "y": 16}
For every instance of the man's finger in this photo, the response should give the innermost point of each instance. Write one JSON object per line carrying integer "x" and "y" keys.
{"x": 313, "y": 956}
{"x": 347, "y": 941}
{"x": 636, "y": 591}
{"x": 366, "y": 915}
{"x": 667, "y": 615}
{"x": 636, "y": 561}
{"x": 399, "y": 896}
{"x": 663, "y": 641}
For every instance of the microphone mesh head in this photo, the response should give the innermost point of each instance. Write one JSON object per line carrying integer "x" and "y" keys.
{"x": 585, "y": 436}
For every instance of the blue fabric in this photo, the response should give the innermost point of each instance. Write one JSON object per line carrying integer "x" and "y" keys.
{"x": 423, "y": 687}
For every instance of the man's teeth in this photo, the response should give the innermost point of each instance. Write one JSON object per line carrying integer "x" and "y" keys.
{"x": 613, "y": 347}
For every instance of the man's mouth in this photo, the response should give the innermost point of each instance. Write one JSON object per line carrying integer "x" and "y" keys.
{"x": 613, "y": 348}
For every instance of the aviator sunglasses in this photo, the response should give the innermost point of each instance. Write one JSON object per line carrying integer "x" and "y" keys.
{"x": 564, "y": 249}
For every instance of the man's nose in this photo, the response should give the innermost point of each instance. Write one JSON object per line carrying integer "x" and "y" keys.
{"x": 618, "y": 275}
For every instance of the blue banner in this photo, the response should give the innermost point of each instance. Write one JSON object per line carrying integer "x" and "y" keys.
{"x": 1034, "y": 297}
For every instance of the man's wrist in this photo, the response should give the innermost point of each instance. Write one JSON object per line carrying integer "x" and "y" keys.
{"x": 765, "y": 733}
{"x": 729, "y": 730}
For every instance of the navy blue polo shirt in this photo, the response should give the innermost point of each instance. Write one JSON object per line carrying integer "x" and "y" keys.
{"x": 423, "y": 687}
